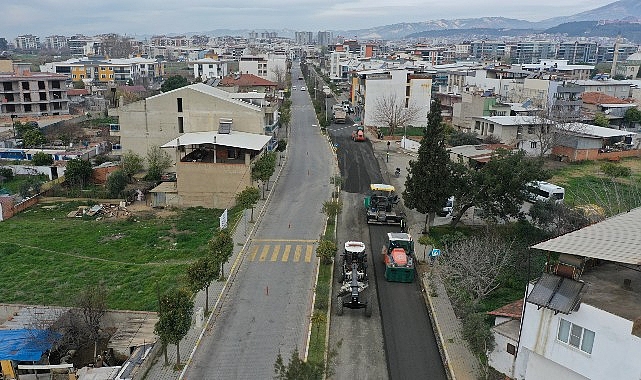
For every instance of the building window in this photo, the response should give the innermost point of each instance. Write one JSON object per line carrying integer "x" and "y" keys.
{"x": 103, "y": 76}
{"x": 533, "y": 144}
{"x": 491, "y": 129}
{"x": 181, "y": 125}
{"x": 576, "y": 336}
{"x": 477, "y": 125}
{"x": 511, "y": 349}
{"x": 530, "y": 129}
{"x": 179, "y": 102}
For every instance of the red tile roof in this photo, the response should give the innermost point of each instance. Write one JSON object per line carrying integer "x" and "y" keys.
{"x": 601, "y": 98}
{"x": 245, "y": 80}
{"x": 77, "y": 91}
{"x": 512, "y": 310}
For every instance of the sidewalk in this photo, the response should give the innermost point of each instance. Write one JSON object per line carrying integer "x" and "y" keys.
{"x": 217, "y": 291}
{"x": 460, "y": 363}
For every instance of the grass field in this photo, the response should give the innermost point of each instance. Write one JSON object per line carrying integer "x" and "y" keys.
{"x": 48, "y": 258}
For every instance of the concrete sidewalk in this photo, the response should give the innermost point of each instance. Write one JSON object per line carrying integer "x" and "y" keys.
{"x": 459, "y": 361}
{"x": 243, "y": 231}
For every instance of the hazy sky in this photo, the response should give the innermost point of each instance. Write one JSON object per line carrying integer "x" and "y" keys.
{"x": 137, "y": 17}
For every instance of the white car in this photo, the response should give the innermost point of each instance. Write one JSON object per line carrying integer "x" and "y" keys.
{"x": 293, "y": 87}
{"x": 303, "y": 88}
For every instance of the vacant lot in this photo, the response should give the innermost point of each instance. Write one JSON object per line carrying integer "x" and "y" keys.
{"x": 586, "y": 183}
{"x": 47, "y": 258}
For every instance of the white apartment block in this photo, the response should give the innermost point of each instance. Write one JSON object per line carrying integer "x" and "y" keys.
{"x": 408, "y": 88}
{"x": 264, "y": 66}
{"x": 208, "y": 68}
{"x": 27, "y": 41}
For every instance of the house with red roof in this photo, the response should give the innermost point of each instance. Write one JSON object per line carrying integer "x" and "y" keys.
{"x": 612, "y": 107}
{"x": 247, "y": 83}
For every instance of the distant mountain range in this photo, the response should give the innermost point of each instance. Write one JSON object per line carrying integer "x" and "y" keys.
{"x": 580, "y": 24}
{"x": 497, "y": 26}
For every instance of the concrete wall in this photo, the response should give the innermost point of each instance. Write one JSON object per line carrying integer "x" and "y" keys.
{"x": 499, "y": 358}
{"x": 200, "y": 183}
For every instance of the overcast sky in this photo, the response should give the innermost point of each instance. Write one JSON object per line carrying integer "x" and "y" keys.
{"x": 144, "y": 17}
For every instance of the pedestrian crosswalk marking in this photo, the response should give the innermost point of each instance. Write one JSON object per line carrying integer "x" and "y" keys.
{"x": 263, "y": 253}
{"x": 297, "y": 253}
{"x": 275, "y": 253}
{"x": 308, "y": 254}
{"x": 286, "y": 253}
{"x": 254, "y": 252}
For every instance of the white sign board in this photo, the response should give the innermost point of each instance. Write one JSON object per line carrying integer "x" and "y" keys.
{"x": 223, "y": 220}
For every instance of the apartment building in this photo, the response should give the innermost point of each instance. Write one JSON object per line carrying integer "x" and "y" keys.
{"x": 582, "y": 318}
{"x": 27, "y": 42}
{"x": 487, "y": 49}
{"x": 533, "y": 51}
{"x": 208, "y": 68}
{"x": 55, "y": 42}
{"x": 106, "y": 71}
{"x": 268, "y": 66}
{"x": 578, "y": 52}
{"x": 402, "y": 87}
{"x": 24, "y": 93}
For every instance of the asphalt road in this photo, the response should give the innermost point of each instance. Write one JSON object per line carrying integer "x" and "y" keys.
{"x": 268, "y": 307}
{"x": 409, "y": 344}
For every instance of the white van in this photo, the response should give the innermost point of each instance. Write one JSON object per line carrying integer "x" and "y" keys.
{"x": 545, "y": 191}
{"x": 447, "y": 209}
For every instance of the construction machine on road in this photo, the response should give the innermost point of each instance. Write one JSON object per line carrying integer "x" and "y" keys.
{"x": 380, "y": 205}
{"x": 398, "y": 256}
{"x": 354, "y": 279}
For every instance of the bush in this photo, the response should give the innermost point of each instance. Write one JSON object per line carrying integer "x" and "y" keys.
{"x": 614, "y": 170}
{"x": 42, "y": 159}
{"x": 476, "y": 332}
{"x": 6, "y": 173}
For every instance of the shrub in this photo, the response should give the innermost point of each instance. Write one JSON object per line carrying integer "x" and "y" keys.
{"x": 614, "y": 170}
{"x": 6, "y": 173}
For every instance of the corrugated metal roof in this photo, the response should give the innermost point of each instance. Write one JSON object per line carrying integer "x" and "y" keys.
{"x": 616, "y": 239}
{"x": 252, "y": 141}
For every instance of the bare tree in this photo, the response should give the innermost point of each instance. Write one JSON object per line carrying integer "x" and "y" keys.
{"x": 475, "y": 264}
{"x": 391, "y": 111}
{"x": 280, "y": 74}
{"x": 92, "y": 303}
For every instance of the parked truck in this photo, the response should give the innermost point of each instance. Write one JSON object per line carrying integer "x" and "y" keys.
{"x": 398, "y": 256}
{"x": 339, "y": 114}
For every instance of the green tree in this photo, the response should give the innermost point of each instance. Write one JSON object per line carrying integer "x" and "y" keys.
{"x": 498, "y": 187}
{"x": 332, "y": 208}
{"x": 427, "y": 187}
{"x": 263, "y": 169}
{"x": 174, "y": 318}
{"x": 326, "y": 251}
{"x": 131, "y": 163}
{"x": 221, "y": 248}
{"x": 632, "y": 116}
{"x": 7, "y": 173}
{"x": 282, "y": 145}
{"x": 457, "y": 138}
{"x": 158, "y": 161}
{"x": 247, "y": 199}
{"x": 557, "y": 218}
{"x": 78, "y": 84}
{"x": 297, "y": 369}
{"x": 200, "y": 274}
{"x": 116, "y": 183}
{"x": 601, "y": 120}
{"x": 78, "y": 172}
{"x": 285, "y": 116}
{"x": 33, "y": 138}
{"x": 173, "y": 82}
{"x": 42, "y": 159}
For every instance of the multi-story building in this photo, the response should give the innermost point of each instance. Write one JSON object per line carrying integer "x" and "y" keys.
{"x": 533, "y": 51}
{"x": 55, "y": 42}
{"x": 324, "y": 38}
{"x": 212, "y": 137}
{"x": 24, "y": 93}
{"x": 605, "y": 53}
{"x": 207, "y": 68}
{"x": 107, "y": 71}
{"x": 176, "y": 41}
{"x": 559, "y": 69}
{"x": 27, "y": 42}
{"x": 403, "y": 88}
{"x": 304, "y": 38}
{"x": 487, "y": 50}
{"x": 81, "y": 46}
{"x": 271, "y": 67}
{"x": 578, "y": 52}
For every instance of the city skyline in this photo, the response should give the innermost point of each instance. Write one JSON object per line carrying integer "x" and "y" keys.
{"x": 147, "y": 17}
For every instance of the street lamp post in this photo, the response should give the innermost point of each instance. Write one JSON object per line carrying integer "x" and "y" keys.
{"x": 13, "y": 125}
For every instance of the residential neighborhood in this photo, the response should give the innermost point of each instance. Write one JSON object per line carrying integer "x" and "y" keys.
{"x": 331, "y": 198}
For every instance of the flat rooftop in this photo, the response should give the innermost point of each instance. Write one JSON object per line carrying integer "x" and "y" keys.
{"x": 604, "y": 290}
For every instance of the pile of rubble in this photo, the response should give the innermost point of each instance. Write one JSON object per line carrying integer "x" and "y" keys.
{"x": 101, "y": 210}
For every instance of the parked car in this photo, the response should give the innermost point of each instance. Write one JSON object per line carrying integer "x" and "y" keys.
{"x": 303, "y": 88}
{"x": 447, "y": 209}
{"x": 293, "y": 87}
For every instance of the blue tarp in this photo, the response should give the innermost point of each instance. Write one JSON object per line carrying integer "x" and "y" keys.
{"x": 25, "y": 344}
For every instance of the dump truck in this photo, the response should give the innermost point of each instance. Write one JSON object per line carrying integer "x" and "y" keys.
{"x": 359, "y": 133}
{"x": 354, "y": 279}
{"x": 338, "y": 113}
{"x": 398, "y": 256}
{"x": 380, "y": 205}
